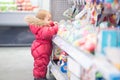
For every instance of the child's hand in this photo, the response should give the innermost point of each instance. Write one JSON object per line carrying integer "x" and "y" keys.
{"x": 51, "y": 23}
{"x": 56, "y": 22}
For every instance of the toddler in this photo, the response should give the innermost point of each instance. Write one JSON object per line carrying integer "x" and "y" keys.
{"x": 43, "y": 29}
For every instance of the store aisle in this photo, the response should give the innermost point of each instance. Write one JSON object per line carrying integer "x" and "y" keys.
{"x": 16, "y": 63}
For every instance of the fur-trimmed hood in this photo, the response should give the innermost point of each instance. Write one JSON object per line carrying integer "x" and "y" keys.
{"x": 34, "y": 20}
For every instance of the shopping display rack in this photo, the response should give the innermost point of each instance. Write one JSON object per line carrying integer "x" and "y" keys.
{"x": 83, "y": 59}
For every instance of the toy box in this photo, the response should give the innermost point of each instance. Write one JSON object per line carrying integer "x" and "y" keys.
{"x": 109, "y": 38}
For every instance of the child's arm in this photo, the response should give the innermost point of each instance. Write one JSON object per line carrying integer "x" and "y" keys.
{"x": 34, "y": 29}
{"x": 48, "y": 32}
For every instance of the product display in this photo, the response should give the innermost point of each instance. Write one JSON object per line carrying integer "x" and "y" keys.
{"x": 88, "y": 39}
{"x": 87, "y": 44}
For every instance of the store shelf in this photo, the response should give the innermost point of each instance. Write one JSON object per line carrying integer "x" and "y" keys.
{"x": 57, "y": 73}
{"x": 107, "y": 69}
{"x": 87, "y": 60}
{"x": 14, "y": 18}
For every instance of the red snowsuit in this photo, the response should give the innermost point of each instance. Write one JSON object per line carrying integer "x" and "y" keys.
{"x": 41, "y": 48}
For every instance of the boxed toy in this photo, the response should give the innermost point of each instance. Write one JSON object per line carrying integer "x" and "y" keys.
{"x": 108, "y": 38}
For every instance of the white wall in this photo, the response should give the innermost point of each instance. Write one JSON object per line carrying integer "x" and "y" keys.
{"x": 45, "y": 4}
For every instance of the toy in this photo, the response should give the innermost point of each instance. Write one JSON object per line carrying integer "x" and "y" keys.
{"x": 87, "y": 43}
{"x": 63, "y": 61}
{"x": 99, "y": 76}
{"x": 63, "y": 68}
{"x": 56, "y": 53}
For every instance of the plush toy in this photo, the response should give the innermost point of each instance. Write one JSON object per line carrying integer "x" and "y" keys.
{"x": 87, "y": 43}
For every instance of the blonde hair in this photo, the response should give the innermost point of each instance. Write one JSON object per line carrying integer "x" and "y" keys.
{"x": 38, "y": 19}
{"x": 42, "y": 14}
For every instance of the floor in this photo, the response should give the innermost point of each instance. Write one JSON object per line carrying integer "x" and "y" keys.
{"x": 16, "y": 63}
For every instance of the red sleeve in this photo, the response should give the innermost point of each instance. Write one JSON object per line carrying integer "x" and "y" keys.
{"x": 34, "y": 29}
{"x": 48, "y": 32}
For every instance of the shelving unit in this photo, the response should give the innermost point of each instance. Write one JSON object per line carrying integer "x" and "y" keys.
{"x": 74, "y": 53}
{"x": 57, "y": 73}
{"x": 85, "y": 60}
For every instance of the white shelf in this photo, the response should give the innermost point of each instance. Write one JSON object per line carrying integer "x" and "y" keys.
{"x": 106, "y": 68}
{"x": 87, "y": 60}
{"x": 57, "y": 73}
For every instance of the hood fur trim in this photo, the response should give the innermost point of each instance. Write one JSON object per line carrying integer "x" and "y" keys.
{"x": 35, "y": 21}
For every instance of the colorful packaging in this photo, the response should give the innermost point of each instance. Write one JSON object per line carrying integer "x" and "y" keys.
{"x": 108, "y": 38}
